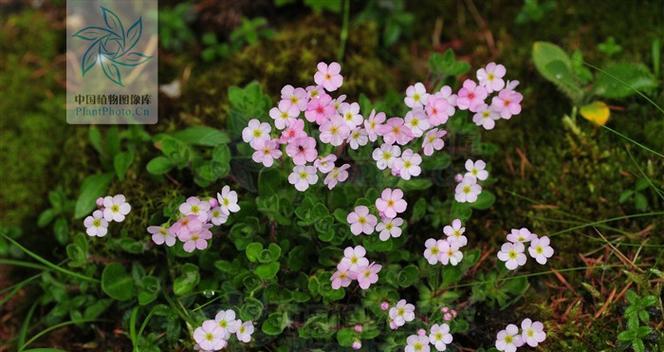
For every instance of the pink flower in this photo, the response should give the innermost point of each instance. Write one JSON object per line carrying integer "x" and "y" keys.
{"x": 491, "y": 77}
{"x": 357, "y": 137}
{"x": 350, "y": 114}
{"x": 294, "y": 130}
{"x": 394, "y": 130}
{"x": 194, "y": 206}
{"x": 354, "y": 258}
{"x": 295, "y": 97}
{"x": 320, "y": 109}
{"x": 386, "y": 155}
{"x": 186, "y": 225}
{"x": 368, "y": 275}
{"x": 522, "y": 235}
{"x": 329, "y": 76}
{"x": 267, "y": 150}
{"x": 325, "y": 164}
{"x": 361, "y": 221}
{"x": 416, "y": 120}
{"x": 477, "y": 169}
{"x": 416, "y": 95}
{"x": 512, "y": 254}
{"x": 486, "y": 117}
{"x": 337, "y": 102}
{"x": 209, "y": 336}
{"x": 507, "y": 103}
{"x": 409, "y": 164}
{"x": 255, "y": 131}
{"x": 533, "y": 332}
{"x": 454, "y": 233}
{"x": 197, "y": 239}
{"x": 342, "y": 277}
{"x": 302, "y": 177}
{"x": 402, "y": 313}
{"x": 509, "y": 339}
{"x": 337, "y": 175}
{"x": 384, "y": 305}
{"x": 389, "y": 228}
{"x": 161, "y": 235}
{"x": 284, "y": 114}
{"x": 391, "y": 202}
{"x": 373, "y": 123}
{"x": 416, "y": 343}
{"x": 440, "y": 106}
{"x": 334, "y": 131}
{"x": 218, "y": 217}
{"x": 116, "y": 208}
{"x": 433, "y": 140}
{"x": 314, "y": 91}
{"x": 471, "y": 96}
{"x": 467, "y": 190}
{"x": 540, "y": 249}
{"x": 450, "y": 254}
{"x": 302, "y": 150}
{"x": 357, "y": 344}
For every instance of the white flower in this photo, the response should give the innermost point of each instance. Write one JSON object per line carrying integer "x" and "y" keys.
{"x": 476, "y": 169}
{"x": 361, "y": 221}
{"x": 284, "y": 114}
{"x": 354, "y": 258}
{"x": 450, "y": 254}
{"x": 389, "y": 228}
{"x": 512, "y": 255}
{"x": 432, "y": 250}
{"x": 303, "y": 176}
{"x": 96, "y": 225}
{"x": 228, "y": 200}
{"x": 408, "y": 165}
{"x": 358, "y": 137}
{"x": 467, "y": 190}
{"x": 540, "y": 249}
{"x": 491, "y": 77}
{"x": 217, "y": 216}
{"x": 454, "y": 233}
{"x": 417, "y": 121}
{"x": 196, "y": 207}
{"x": 486, "y": 117}
{"x": 509, "y": 339}
{"x": 416, "y": 95}
{"x": 522, "y": 235}
{"x": 115, "y": 208}
{"x": 245, "y": 331}
{"x": 226, "y": 320}
{"x": 337, "y": 175}
{"x": 210, "y": 337}
{"x": 256, "y": 131}
{"x": 401, "y": 313}
{"x": 386, "y": 155}
{"x": 325, "y": 164}
{"x": 161, "y": 235}
{"x": 417, "y": 343}
{"x": 532, "y": 332}
{"x": 440, "y": 336}
{"x": 350, "y": 113}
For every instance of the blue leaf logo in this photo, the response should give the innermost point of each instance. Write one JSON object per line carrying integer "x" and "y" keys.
{"x": 111, "y": 47}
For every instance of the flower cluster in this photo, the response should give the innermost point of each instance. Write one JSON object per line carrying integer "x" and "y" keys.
{"x": 532, "y": 334}
{"x": 400, "y": 314}
{"x": 354, "y": 266}
{"x": 196, "y": 218}
{"x": 439, "y": 336}
{"x": 389, "y": 205}
{"x": 468, "y": 187}
{"x": 213, "y": 335}
{"x": 338, "y": 123}
{"x": 512, "y": 252}
{"x": 447, "y": 251}
{"x": 109, "y": 209}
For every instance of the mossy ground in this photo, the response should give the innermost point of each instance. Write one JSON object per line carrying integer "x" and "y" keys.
{"x": 579, "y": 174}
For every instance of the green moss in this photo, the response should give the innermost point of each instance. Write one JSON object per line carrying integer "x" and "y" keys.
{"x": 33, "y": 118}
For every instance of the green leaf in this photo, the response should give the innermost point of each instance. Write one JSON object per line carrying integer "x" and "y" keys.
{"x": 275, "y": 323}
{"x": 408, "y": 276}
{"x": 252, "y": 309}
{"x": 253, "y": 251}
{"x": 203, "y": 136}
{"x": 96, "y": 309}
{"x": 446, "y": 65}
{"x": 484, "y": 201}
{"x": 117, "y": 283}
{"x": 640, "y": 201}
{"x": 346, "y": 337}
{"x": 324, "y": 5}
{"x": 622, "y": 80}
{"x": 122, "y": 162}
{"x": 45, "y": 217}
{"x": 159, "y": 165}
{"x": 61, "y": 230}
{"x": 267, "y": 271}
{"x": 188, "y": 279}
{"x": 555, "y": 65}
{"x": 246, "y": 103}
{"x": 148, "y": 290}
{"x": 93, "y": 187}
